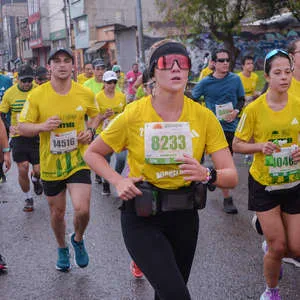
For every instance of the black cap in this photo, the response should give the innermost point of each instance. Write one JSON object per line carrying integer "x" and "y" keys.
{"x": 53, "y": 52}
{"x": 41, "y": 72}
{"x": 98, "y": 62}
{"x": 25, "y": 71}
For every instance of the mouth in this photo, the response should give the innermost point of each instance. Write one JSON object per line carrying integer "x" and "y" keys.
{"x": 176, "y": 78}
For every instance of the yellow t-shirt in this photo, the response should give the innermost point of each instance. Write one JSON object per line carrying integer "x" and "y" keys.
{"x": 127, "y": 131}
{"x": 295, "y": 88}
{"x": 249, "y": 83}
{"x": 43, "y": 103}
{"x": 264, "y": 124}
{"x": 13, "y": 101}
{"x": 205, "y": 72}
{"x": 81, "y": 78}
{"x": 117, "y": 104}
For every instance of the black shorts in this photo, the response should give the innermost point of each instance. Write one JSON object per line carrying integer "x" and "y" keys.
{"x": 26, "y": 149}
{"x": 229, "y": 138}
{"x": 54, "y": 187}
{"x": 261, "y": 200}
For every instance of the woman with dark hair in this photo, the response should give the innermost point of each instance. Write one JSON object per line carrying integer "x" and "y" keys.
{"x": 269, "y": 128}
{"x": 166, "y": 134}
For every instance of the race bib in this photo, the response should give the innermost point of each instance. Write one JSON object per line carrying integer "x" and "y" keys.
{"x": 63, "y": 142}
{"x": 166, "y": 141}
{"x": 223, "y": 110}
{"x": 281, "y": 163}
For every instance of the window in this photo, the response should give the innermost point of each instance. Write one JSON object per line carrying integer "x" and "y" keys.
{"x": 81, "y": 25}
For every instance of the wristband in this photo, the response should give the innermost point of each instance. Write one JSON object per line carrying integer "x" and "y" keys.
{"x": 93, "y": 131}
{"x": 211, "y": 176}
{"x": 207, "y": 176}
{"x": 4, "y": 150}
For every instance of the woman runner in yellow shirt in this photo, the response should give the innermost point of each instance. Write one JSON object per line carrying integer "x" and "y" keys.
{"x": 166, "y": 134}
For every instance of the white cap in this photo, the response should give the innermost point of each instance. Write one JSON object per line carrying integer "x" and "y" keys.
{"x": 109, "y": 75}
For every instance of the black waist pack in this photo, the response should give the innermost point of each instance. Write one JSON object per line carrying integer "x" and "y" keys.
{"x": 154, "y": 199}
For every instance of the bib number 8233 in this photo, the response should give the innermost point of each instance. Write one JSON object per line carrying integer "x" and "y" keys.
{"x": 165, "y": 142}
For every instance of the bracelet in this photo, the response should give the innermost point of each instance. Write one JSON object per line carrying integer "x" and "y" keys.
{"x": 211, "y": 176}
{"x": 4, "y": 150}
{"x": 207, "y": 176}
{"x": 93, "y": 131}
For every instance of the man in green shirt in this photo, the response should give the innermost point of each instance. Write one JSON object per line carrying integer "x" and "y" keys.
{"x": 96, "y": 84}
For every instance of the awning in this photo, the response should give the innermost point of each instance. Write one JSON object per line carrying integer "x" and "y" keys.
{"x": 95, "y": 48}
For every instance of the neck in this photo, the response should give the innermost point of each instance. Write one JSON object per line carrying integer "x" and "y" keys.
{"x": 109, "y": 94}
{"x": 296, "y": 74}
{"x": 168, "y": 105}
{"x": 276, "y": 98}
{"x": 246, "y": 73}
{"x": 61, "y": 86}
{"x": 219, "y": 75}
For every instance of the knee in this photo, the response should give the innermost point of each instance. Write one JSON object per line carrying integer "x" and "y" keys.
{"x": 23, "y": 167}
{"x": 82, "y": 213}
{"x": 277, "y": 248}
{"x": 57, "y": 214}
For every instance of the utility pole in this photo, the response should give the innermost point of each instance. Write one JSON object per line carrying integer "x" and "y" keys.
{"x": 139, "y": 19}
{"x": 67, "y": 29}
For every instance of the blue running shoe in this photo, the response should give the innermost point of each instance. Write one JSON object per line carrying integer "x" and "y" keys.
{"x": 271, "y": 294}
{"x": 63, "y": 261}
{"x": 81, "y": 256}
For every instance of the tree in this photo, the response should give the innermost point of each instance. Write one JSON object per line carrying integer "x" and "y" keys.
{"x": 294, "y": 7}
{"x": 221, "y": 17}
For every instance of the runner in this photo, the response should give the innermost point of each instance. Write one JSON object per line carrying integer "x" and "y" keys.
{"x": 87, "y": 74}
{"x": 25, "y": 150}
{"x": 269, "y": 128}
{"x": 131, "y": 78}
{"x": 5, "y": 83}
{"x": 224, "y": 95}
{"x": 41, "y": 75}
{"x": 209, "y": 69}
{"x": 162, "y": 239}
{"x": 5, "y": 150}
{"x": 121, "y": 77}
{"x": 95, "y": 84}
{"x": 55, "y": 111}
{"x": 111, "y": 103}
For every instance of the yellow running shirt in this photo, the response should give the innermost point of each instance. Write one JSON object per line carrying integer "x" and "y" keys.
{"x": 117, "y": 104}
{"x": 13, "y": 101}
{"x": 249, "y": 83}
{"x": 282, "y": 127}
{"x": 128, "y": 129}
{"x": 81, "y": 78}
{"x": 205, "y": 72}
{"x": 44, "y": 103}
{"x": 295, "y": 88}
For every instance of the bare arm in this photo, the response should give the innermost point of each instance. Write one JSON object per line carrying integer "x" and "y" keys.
{"x": 4, "y": 144}
{"x": 95, "y": 158}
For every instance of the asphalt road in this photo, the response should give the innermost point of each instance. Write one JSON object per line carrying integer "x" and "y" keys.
{"x": 227, "y": 265}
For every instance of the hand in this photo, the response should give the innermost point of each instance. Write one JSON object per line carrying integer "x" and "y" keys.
{"x": 192, "y": 169}
{"x": 231, "y": 116}
{"x": 7, "y": 161}
{"x": 126, "y": 188}
{"x": 51, "y": 124}
{"x": 13, "y": 130}
{"x": 84, "y": 137}
{"x": 296, "y": 155}
{"x": 269, "y": 148}
{"x": 108, "y": 113}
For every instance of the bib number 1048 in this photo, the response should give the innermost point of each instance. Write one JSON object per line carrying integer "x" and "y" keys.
{"x": 165, "y": 142}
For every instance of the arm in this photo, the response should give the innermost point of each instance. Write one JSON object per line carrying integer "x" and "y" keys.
{"x": 4, "y": 144}
{"x": 95, "y": 158}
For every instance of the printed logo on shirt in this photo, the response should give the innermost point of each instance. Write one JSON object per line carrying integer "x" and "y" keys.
{"x": 194, "y": 134}
{"x": 79, "y": 108}
{"x": 295, "y": 122}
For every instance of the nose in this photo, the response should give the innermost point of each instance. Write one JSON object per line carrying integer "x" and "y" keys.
{"x": 175, "y": 65}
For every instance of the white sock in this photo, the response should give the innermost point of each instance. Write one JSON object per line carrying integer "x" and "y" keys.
{"x": 34, "y": 179}
{"x": 28, "y": 195}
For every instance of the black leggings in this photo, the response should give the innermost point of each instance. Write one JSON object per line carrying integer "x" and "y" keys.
{"x": 163, "y": 247}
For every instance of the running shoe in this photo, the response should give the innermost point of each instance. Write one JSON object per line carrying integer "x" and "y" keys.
{"x": 270, "y": 294}
{"x": 3, "y": 179}
{"x": 106, "y": 189}
{"x": 63, "y": 260}
{"x": 292, "y": 261}
{"x": 264, "y": 247}
{"x": 28, "y": 207}
{"x": 229, "y": 207}
{"x": 256, "y": 225}
{"x": 3, "y": 265}
{"x": 135, "y": 270}
{"x": 98, "y": 179}
{"x": 37, "y": 185}
{"x": 81, "y": 256}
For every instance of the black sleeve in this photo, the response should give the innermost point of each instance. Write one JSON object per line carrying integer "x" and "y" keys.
{"x": 240, "y": 104}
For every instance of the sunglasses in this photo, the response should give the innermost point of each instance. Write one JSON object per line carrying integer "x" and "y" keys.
{"x": 111, "y": 82}
{"x": 166, "y": 62}
{"x": 26, "y": 80}
{"x": 222, "y": 60}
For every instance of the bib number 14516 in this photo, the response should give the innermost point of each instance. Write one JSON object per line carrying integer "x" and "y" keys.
{"x": 166, "y": 141}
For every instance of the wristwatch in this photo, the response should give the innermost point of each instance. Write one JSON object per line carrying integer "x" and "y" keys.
{"x": 4, "y": 150}
{"x": 212, "y": 175}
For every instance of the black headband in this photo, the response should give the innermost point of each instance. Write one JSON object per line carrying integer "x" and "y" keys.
{"x": 168, "y": 48}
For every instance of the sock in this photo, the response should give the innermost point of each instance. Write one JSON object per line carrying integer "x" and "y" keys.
{"x": 27, "y": 195}
{"x": 1, "y": 169}
{"x": 35, "y": 179}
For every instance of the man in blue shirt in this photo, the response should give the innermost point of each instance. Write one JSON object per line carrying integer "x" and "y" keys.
{"x": 5, "y": 83}
{"x": 223, "y": 94}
